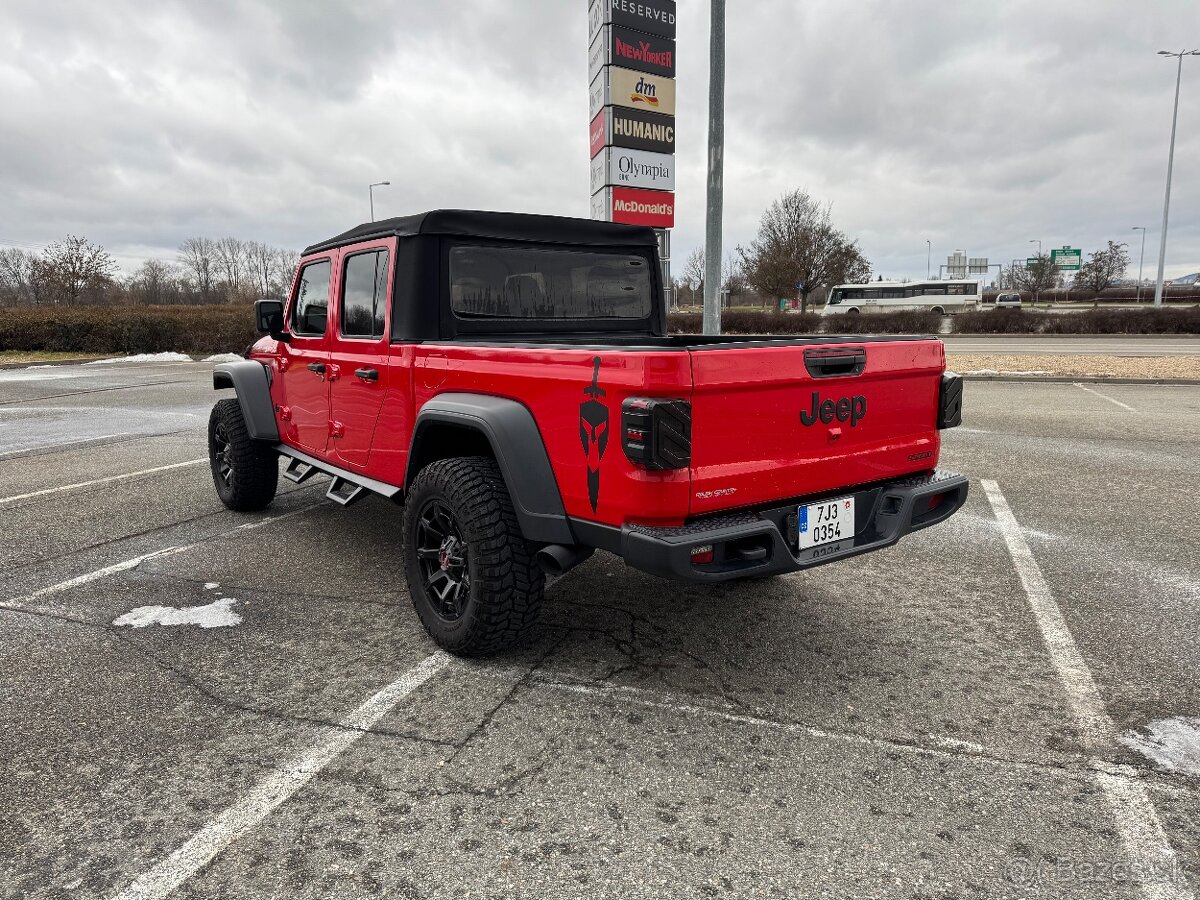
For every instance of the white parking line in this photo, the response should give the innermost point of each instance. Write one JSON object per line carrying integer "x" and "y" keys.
{"x": 1125, "y": 406}
{"x": 100, "y": 437}
{"x": 1141, "y": 831}
{"x": 83, "y": 484}
{"x": 280, "y": 785}
{"x": 23, "y": 602}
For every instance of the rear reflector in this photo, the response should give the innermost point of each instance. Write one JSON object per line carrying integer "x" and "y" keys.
{"x": 702, "y": 555}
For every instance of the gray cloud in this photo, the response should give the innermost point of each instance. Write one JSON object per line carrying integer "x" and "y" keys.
{"x": 976, "y": 126}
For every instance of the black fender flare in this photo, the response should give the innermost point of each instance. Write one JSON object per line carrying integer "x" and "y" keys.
{"x": 253, "y": 386}
{"x": 517, "y": 444}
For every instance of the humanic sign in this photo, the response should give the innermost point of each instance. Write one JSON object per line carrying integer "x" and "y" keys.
{"x": 634, "y": 128}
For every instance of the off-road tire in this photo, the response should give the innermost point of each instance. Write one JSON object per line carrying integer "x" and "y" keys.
{"x": 504, "y": 587}
{"x": 245, "y": 471}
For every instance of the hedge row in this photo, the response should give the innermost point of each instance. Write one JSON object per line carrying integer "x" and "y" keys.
{"x": 1092, "y": 321}
{"x": 223, "y": 329}
{"x": 749, "y": 322}
{"x": 128, "y": 329}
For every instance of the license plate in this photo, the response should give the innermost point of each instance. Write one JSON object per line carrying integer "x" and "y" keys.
{"x": 826, "y": 522}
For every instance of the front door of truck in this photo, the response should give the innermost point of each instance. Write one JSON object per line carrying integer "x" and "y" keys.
{"x": 304, "y": 412}
{"x": 359, "y": 377}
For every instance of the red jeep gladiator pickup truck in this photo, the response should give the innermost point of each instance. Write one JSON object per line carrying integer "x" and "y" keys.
{"x": 510, "y": 379}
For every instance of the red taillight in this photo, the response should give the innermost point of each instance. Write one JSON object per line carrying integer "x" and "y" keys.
{"x": 657, "y": 433}
{"x": 702, "y": 555}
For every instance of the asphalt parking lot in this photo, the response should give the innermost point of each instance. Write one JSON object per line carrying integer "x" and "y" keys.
{"x": 957, "y": 716}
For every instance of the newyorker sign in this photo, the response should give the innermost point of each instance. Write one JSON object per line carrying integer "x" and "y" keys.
{"x": 633, "y": 168}
{"x": 634, "y": 207}
{"x": 647, "y": 16}
{"x": 634, "y": 128}
{"x": 615, "y": 86}
{"x": 617, "y": 46}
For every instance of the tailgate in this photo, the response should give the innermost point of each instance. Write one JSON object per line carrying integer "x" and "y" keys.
{"x": 769, "y": 423}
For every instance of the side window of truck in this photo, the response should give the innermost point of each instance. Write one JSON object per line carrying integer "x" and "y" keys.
{"x": 311, "y": 307}
{"x": 364, "y": 294}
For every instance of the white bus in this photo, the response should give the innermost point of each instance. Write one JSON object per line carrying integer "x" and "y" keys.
{"x": 944, "y": 297}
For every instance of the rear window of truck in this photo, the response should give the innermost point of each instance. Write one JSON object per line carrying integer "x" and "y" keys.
{"x": 539, "y": 283}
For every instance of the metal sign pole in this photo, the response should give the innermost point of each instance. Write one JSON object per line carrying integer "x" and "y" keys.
{"x": 716, "y": 167}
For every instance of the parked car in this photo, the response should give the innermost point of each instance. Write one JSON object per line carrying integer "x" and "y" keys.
{"x": 510, "y": 380}
{"x": 1008, "y": 300}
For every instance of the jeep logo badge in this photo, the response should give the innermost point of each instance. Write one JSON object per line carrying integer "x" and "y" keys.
{"x": 842, "y": 409}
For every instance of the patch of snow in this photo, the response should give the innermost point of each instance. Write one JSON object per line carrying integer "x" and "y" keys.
{"x": 1172, "y": 744}
{"x": 222, "y": 357}
{"x": 217, "y": 614}
{"x": 142, "y": 358}
{"x": 982, "y": 372}
{"x": 211, "y": 586}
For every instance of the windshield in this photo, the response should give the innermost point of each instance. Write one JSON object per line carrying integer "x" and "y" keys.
{"x": 537, "y": 283}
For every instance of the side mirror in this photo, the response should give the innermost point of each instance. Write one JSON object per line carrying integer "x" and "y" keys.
{"x": 268, "y": 317}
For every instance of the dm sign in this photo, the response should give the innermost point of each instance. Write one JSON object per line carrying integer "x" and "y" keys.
{"x": 615, "y": 86}
{"x": 655, "y": 17}
{"x": 633, "y": 128}
{"x": 617, "y": 46}
{"x": 633, "y": 168}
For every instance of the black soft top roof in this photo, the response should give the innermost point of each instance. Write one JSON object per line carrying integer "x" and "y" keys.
{"x": 499, "y": 225}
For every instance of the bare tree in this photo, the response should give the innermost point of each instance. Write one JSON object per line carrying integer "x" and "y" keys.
{"x": 286, "y": 262}
{"x": 73, "y": 268}
{"x": 155, "y": 282}
{"x": 1103, "y": 269}
{"x": 198, "y": 257}
{"x": 20, "y": 284}
{"x": 1036, "y": 276}
{"x": 693, "y": 273}
{"x": 232, "y": 263}
{"x": 799, "y": 249}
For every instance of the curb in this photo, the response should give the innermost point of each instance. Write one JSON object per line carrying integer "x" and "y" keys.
{"x": 1081, "y": 379}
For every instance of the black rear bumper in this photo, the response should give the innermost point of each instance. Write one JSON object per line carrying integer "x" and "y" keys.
{"x": 764, "y": 542}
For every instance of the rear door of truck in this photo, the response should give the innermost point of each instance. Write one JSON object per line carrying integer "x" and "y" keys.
{"x": 772, "y": 422}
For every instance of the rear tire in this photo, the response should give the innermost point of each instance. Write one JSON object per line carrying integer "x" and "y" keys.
{"x": 245, "y": 471}
{"x": 938, "y": 310}
{"x": 471, "y": 573}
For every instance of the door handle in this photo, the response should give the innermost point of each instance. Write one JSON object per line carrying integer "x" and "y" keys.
{"x": 367, "y": 374}
{"x": 317, "y": 368}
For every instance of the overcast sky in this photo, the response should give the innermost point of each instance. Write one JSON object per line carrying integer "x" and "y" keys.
{"x": 977, "y": 125}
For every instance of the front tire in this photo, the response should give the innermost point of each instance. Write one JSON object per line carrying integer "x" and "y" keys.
{"x": 472, "y": 576}
{"x": 245, "y": 471}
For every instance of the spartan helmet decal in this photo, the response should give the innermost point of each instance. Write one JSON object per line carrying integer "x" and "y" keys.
{"x": 593, "y": 431}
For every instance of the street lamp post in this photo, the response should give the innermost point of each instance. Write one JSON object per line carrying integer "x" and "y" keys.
{"x": 1141, "y": 259}
{"x": 928, "y": 259}
{"x": 371, "y": 194}
{"x": 1162, "y": 244}
{"x": 1037, "y": 292}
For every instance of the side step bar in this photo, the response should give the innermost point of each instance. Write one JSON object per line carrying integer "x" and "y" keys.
{"x": 347, "y": 487}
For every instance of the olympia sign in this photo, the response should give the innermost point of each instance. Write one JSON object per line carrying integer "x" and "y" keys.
{"x": 633, "y": 168}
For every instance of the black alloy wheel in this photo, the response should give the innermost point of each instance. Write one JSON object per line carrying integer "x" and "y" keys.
{"x": 222, "y": 454}
{"x": 471, "y": 574}
{"x": 245, "y": 472}
{"x": 444, "y": 559}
